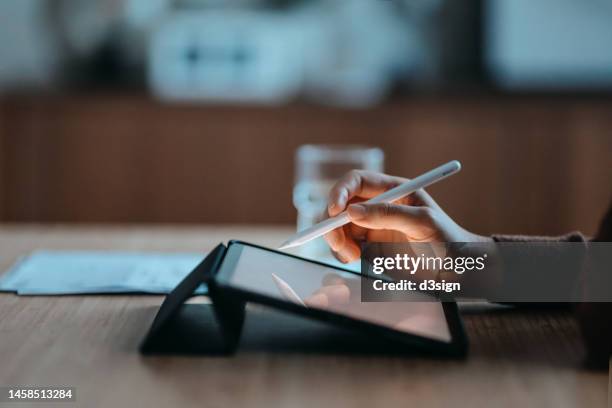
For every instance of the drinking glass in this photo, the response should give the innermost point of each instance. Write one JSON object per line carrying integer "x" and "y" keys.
{"x": 318, "y": 168}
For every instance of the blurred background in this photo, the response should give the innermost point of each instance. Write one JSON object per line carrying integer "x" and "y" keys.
{"x": 206, "y": 111}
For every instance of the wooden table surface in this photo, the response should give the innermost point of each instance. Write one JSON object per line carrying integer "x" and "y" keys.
{"x": 517, "y": 358}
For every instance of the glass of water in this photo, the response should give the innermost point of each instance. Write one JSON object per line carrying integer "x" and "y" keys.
{"x": 318, "y": 168}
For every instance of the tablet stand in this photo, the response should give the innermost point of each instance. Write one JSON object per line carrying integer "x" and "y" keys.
{"x": 182, "y": 328}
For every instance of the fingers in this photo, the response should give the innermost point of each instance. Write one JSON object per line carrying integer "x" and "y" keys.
{"x": 335, "y": 239}
{"x": 358, "y": 186}
{"x": 343, "y": 245}
{"x": 330, "y": 295}
{"x": 319, "y": 300}
{"x": 359, "y": 183}
{"x": 332, "y": 279}
{"x": 334, "y": 294}
{"x": 388, "y": 216}
{"x": 422, "y": 198}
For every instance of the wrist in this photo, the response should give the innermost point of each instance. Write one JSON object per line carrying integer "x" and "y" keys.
{"x": 456, "y": 233}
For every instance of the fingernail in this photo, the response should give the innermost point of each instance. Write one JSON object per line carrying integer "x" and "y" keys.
{"x": 357, "y": 211}
{"x": 342, "y": 199}
{"x": 332, "y": 244}
{"x": 331, "y": 207}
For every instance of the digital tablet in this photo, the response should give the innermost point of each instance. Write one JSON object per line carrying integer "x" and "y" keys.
{"x": 331, "y": 294}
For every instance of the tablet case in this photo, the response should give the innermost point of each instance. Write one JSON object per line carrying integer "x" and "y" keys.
{"x": 209, "y": 329}
{"x": 183, "y": 328}
{"x": 215, "y": 329}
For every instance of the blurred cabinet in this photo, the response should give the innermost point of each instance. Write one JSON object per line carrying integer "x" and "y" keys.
{"x": 540, "y": 166}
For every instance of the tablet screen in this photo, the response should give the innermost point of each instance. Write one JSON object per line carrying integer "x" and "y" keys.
{"x": 317, "y": 286}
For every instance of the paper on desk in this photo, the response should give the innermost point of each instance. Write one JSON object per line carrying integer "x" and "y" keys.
{"x": 79, "y": 272}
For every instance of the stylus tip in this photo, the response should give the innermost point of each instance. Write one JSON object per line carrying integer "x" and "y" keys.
{"x": 288, "y": 244}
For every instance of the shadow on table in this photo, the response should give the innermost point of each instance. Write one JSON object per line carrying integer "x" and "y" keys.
{"x": 530, "y": 336}
{"x": 268, "y": 330}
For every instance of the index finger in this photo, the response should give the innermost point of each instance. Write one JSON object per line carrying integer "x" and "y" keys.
{"x": 359, "y": 184}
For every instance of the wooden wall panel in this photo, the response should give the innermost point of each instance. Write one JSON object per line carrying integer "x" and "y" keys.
{"x": 533, "y": 166}
{"x": 2, "y": 165}
{"x": 590, "y": 168}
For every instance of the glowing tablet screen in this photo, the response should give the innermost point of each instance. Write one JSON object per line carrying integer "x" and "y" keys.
{"x": 316, "y": 286}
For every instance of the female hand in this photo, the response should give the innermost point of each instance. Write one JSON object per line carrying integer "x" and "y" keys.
{"x": 415, "y": 218}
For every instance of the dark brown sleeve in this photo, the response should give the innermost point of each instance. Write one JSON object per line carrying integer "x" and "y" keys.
{"x": 595, "y": 319}
{"x": 571, "y": 237}
{"x": 605, "y": 228}
{"x": 551, "y": 259}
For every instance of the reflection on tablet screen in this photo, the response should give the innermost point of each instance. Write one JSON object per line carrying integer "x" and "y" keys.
{"x": 317, "y": 286}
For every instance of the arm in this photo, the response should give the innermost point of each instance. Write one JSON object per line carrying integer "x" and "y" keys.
{"x": 418, "y": 218}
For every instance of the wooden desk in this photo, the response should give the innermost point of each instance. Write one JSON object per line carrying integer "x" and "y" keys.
{"x": 517, "y": 358}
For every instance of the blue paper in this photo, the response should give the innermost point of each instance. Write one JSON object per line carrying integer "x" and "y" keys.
{"x": 81, "y": 272}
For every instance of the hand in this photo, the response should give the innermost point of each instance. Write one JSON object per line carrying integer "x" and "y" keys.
{"x": 415, "y": 218}
{"x": 341, "y": 296}
{"x": 334, "y": 292}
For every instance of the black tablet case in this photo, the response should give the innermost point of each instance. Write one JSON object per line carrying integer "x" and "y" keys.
{"x": 197, "y": 328}
{"x": 216, "y": 328}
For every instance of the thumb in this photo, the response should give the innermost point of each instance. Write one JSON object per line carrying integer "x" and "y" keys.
{"x": 387, "y": 216}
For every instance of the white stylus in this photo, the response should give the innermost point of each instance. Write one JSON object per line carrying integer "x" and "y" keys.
{"x": 401, "y": 191}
